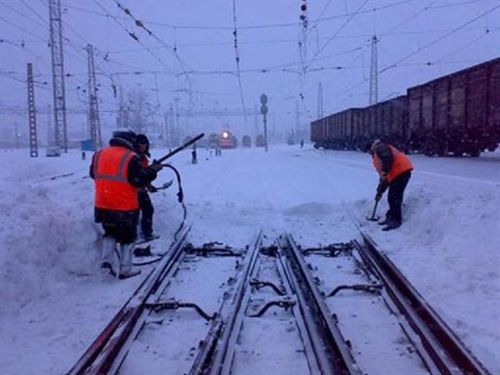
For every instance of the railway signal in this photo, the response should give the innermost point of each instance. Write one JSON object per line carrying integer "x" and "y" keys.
{"x": 264, "y": 110}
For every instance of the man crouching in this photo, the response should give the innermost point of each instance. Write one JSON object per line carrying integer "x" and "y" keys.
{"x": 118, "y": 174}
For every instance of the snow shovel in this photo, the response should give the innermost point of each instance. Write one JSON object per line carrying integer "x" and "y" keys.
{"x": 373, "y": 217}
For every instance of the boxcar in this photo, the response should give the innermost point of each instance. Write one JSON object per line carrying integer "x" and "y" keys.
{"x": 458, "y": 113}
{"x": 246, "y": 141}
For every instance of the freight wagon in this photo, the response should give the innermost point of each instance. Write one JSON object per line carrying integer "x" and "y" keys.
{"x": 458, "y": 113}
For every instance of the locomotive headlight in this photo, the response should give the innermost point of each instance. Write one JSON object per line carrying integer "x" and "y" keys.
{"x": 225, "y": 135}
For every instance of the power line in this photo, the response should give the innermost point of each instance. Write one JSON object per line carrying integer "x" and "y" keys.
{"x": 434, "y": 41}
{"x": 134, "y": 37}
{"x": 437, "y": 40}
{"x": 339, "y": 30}
{"x": 172, "y": 50}
{"x": 34, "y": 12}
{"x": 237, "y": 57}
{"x": 24, "y": 15}
{"x": 253, "y": 27}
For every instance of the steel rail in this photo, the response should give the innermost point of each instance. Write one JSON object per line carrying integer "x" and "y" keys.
{"x": 105, "y": 354}
{"x": 447, "y": 352}
{"x": 309, "y": 340}
{"x": 333, "y": 354}
{"x": 217, "y": 350}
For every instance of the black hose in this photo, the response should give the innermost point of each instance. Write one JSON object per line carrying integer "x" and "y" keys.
{"x": 180, "y": 198}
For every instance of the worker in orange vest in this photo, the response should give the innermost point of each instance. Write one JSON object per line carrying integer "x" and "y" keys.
{"x": 394, "y": 169}
{"x": 118, "y": 174}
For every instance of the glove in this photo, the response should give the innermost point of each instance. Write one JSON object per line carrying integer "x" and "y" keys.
{"x": 382, "y": 187}
{"x": 155, "y": 166}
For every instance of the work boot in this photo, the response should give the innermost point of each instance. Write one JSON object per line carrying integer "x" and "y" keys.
{"x": 126, "y": 270}
{"x": 391, "y": 224}
{"x": 150, "y": 237}
{"x": 109, "y": 256}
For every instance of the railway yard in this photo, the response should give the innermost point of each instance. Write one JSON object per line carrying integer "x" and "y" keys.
{"x": 281, "y": 277}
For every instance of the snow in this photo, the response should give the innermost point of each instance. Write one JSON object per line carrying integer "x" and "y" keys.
{"x": 55, "y": 300}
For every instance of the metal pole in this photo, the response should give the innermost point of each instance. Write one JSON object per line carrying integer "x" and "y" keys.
{"x": 59, "y": 92}
{"x": 32, "y": 114}
{"x": 265, "y": 133}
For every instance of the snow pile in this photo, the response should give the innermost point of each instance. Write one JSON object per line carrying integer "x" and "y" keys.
{"x": 47, "y": 231}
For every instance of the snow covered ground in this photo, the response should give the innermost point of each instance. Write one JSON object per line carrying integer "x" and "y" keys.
{"x": 54, "y": 300}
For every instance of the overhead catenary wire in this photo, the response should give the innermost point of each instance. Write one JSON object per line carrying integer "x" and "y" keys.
{"x": 399, "y": 62}
{"x": 139, "y": 23}
{"x": 254, "y": 27}
{"x": 342, "y": 27}
{"x": 133, "y": 36}
{"x": 237, "y": 58}
{"x": 437, "y": 40}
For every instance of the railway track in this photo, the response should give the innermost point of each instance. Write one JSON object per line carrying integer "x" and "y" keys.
{"x": 390, "y": 327}
{"x": 277, "y": 308}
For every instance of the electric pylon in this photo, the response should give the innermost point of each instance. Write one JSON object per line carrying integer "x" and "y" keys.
{"x": 59, "y": 92}
{"x": 95, "y": 124}
{"x": 374, "y": 73}
{"x": 32, "y": 113}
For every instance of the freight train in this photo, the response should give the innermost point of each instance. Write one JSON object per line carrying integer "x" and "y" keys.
{"x": 455, "y": 114}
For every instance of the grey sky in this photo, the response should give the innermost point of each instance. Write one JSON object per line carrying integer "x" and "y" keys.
{"x": 342, "y": 38}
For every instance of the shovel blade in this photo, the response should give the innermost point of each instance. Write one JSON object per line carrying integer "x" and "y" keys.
{"x": 373, "y": 218}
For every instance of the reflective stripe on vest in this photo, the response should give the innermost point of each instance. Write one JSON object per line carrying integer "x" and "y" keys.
{"x": 121, "y": 168}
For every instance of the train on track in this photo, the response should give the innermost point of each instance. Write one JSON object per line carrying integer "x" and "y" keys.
{"x": 246, "y": 141}
{"x": 455, "y": 114}
{"x": 227, "y": 140}
{"x": 260, "y": 141}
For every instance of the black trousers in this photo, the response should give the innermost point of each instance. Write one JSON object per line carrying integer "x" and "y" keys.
{"x": 395, "y": 196}
{"x": 123, "y": 234}
{"x": 147, "y": 212}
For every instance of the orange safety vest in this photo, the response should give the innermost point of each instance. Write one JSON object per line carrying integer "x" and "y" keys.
{"x": 112, "y": 189}
{"x": 401, "y": 164}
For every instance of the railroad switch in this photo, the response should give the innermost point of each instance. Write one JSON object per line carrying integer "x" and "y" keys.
{"x": 332, "y": 250}
{"x": 212, "y": 249}
{"x": 258, "y": 284}
{"x": 369, "y": 288}
{"x": 271, "y": 251}
{"x": 173, "y": 304}
{"x": 284, "y": 303}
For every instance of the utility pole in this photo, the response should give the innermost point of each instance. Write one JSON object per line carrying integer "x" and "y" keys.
{"x": 177, "y": 131}
{"x": 320, "y": 100}
{"x": 50, "y": 129}
{"x": 59, "y": 92}
{"x": 304, "y": 18}
{"x": 32, "y": 113}
{"x": 374, "y": 73}
{"x": 264, "y": 110}
{"x": 297, "y": 121}
{"x": 255, "y": 121}
{"x": 122, "y": 122}
{"x": 95, "y": 123}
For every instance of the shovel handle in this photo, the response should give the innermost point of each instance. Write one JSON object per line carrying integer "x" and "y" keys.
{"x": 374, "y": 210}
